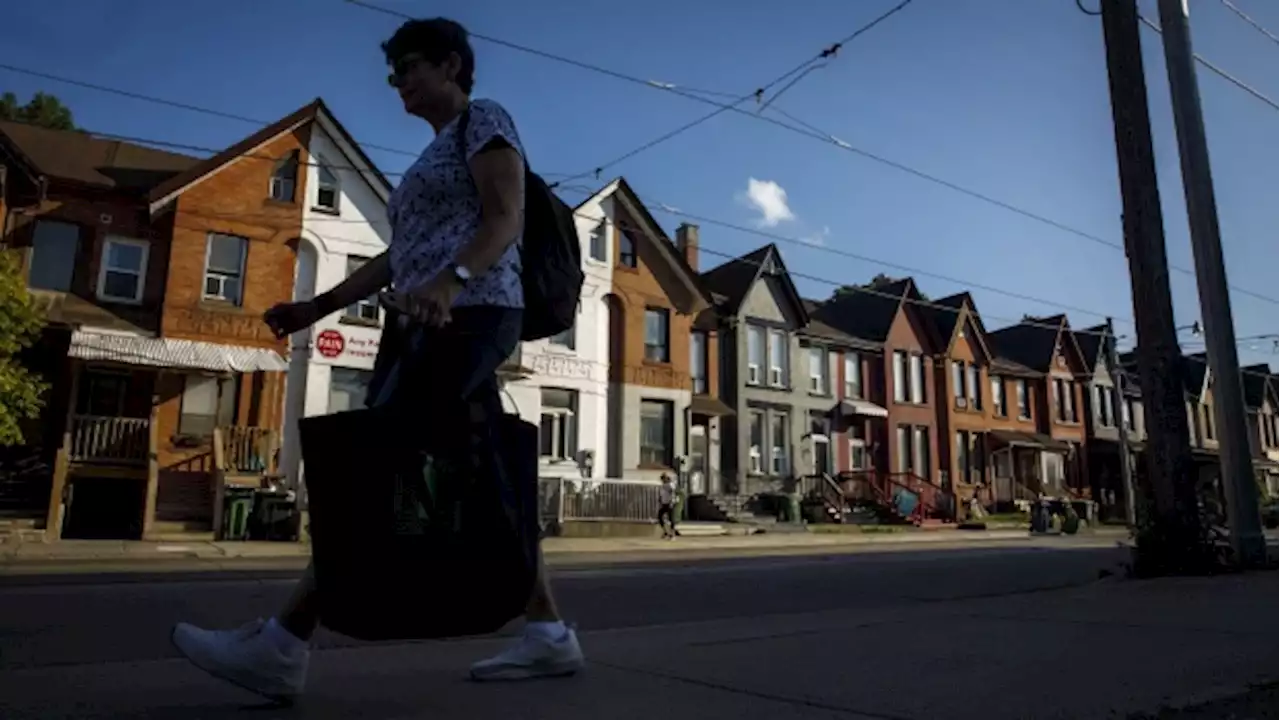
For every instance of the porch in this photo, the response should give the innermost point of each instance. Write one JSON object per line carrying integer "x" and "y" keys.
{"x": 1029, "y": 466}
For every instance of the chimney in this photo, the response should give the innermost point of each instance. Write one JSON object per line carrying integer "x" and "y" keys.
{"x": 687, "y": 241}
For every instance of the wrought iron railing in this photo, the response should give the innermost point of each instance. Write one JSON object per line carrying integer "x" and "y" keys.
{"x": 580, "y": 499}
{"x": 246, "y": 449}
{"x": 119, "y": 440}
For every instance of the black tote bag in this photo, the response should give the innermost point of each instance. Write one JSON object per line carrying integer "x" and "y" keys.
{"x": 406, "y": 548}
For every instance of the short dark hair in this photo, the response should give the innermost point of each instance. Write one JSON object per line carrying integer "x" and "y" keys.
{"x": 434, "y": 39}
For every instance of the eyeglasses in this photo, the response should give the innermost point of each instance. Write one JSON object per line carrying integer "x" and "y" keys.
{"x": 402, "y": 67}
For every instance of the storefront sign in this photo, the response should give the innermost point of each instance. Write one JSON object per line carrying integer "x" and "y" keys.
{"x": 219, "y": 324}
{"x": 330, "y": 343}
{"x": 362, "y": 347}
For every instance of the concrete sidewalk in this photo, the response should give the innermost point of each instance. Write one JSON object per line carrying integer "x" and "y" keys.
{"x": 1107, "y": 649}
{"x": 114, "y": 555}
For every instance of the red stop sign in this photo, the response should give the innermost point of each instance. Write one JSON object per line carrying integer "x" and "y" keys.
{"x": 330, "y": 343}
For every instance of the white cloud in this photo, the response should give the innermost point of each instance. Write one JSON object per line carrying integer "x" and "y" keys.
{"x": 770, "y": 200}
{"x": 817, "y": 239}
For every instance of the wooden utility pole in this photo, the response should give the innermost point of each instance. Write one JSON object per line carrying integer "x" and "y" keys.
{"x": 1247, "y": 541}
{"x": 1169, "y": 536}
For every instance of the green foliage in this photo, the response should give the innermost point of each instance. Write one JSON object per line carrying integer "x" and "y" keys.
{"x": 42, "y": 109}
{"x": 21, "y": 391}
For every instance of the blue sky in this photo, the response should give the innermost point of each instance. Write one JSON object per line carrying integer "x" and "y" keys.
{"x": 1006, "y": 97}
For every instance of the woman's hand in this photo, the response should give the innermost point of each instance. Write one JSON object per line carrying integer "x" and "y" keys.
{"x": 288, "y": 318}
{"x": 431, "y": 303}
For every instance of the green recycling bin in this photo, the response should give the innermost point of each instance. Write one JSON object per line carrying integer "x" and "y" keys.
{"x": 237, "y": 508}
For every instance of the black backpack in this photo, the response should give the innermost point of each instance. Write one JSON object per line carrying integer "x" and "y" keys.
{"x": 550, "y": 254}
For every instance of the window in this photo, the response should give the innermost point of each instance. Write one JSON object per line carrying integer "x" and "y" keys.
{"x": 656, "y": 433}
{"x": 1064, "y": 400}
{"x": 698, "y": 361}
{"x": 904, "y": 449}
{"x": 328, "y": 188}
{"x": 777, "y": 358}
{"x": 899, "y": 376}
{"x": 102, "y": 393}
{"x": 820, "y": 439}
{"x": 54, "y": 251}
{"x": 1103, "y": 410}
{"x": 957, "y": 383}
{"x": 779, "y": 445}
{"x": 921, "y": 465}
{"x": 626, "y": 250}
{"x": 123, "y": 274}
{"x": 207, "y": 402}
{"x": 567, "y": 338}
{"x": 348, "y": 388}
{"x": 818, "y": 371}
{"x": 1024, "y": 406}
{"x": 997, "y": 396}
{"x": 962, "y": 456}
{"x": 557, "y": 431}
{"x": 224, "y": 267}
{"x": 755, "y": 456}
{"x": 755, "y": 354}
{"x": 852, "y": 375}
{"x": 365, "y": 310}
{"x": 974, "y": 388}
{"x": 657, "y": 337}
{"x": 284, "y": 178}
{"x": 598, "y": 242}
{"x": 1207, "y": 410}
{"x": 917, "y": 380}
{"x": 857, "y": 455}
{"x": 1126, "y": 410}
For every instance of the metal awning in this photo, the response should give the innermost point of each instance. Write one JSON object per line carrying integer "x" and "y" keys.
{"x": 851, "y": 406}
{"x": 1038, "y": 441}
{"x": 709, "y": 406}
{"x": 173, "y": 353}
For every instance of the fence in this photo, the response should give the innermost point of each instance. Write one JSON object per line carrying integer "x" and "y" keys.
{"x": 563, "y": 499}
{"x": 247, "y": 449}
{"x": 110, "y": 439}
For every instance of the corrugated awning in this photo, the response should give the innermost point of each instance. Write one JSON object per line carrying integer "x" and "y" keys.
{"x": 1014, "y": 438}
{"x": 173, "y": 353}
{"x": 851, "y": 406}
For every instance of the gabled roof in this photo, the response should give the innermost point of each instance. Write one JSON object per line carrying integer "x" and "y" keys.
{"x": 733, "y": 280}
{"x": 1092, "y": 347}
{"x": 868, "y": 313}
{"x": 79, "y": 157}
{"x": 650, "y": 230}
{"x": 947, "y": 313}
{"x": 1032, "y": 342}
{"x": 315, "y": 111}
{"x": 820, "y": 330}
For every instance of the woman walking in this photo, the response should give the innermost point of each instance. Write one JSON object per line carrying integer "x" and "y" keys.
{"x": 454, "y": 262}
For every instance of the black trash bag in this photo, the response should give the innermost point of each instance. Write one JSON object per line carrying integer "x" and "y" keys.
{"x": 405, "y": 547}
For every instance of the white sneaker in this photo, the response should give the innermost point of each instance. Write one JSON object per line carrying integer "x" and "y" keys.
{"x": 247, "y": 657}
{"x": 533, "y": 657}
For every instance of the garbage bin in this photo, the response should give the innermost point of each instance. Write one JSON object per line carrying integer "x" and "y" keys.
{"x": 275, "y": 517}
{"x": 792, "y": 504}
{"x": 237, "y": 508}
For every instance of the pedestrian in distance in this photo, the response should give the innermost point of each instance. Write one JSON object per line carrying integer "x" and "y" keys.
{"x": 666, "y": 507}
{"x": 454, "y": 263}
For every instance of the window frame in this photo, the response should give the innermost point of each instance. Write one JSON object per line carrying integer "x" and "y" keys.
{"x": 698, "y": 368}
{"x": 222, "y": 413}
{"x": 630, "y": 259}
{"x": 973, "y": 386}
{"x": 901, "y": 391}
{"x": 332, "y": 185}
{"x": 563, "y": 421}
{"x": 598, "y": 233}
{"x": 354, "y": 311}
{"x": 104, "y": 267}
{"x": 757, "y": 339}
{"x": 349, "y": 372}
{"x": 239, "y": 276}
{"x": 778, "y": 374}
{"x": 853, "y": 380}
{"x": 779, "y": 464}
{"x": 33, "y": 253}
{"x": 667, "y": 415}
{"x": 820, "y": 383}
{"x": 664, "y": 316}
{"x": 999, "y": 400}
{"x": 1023, "y": 396}
{"x": 291, "y": 163}
{"x": 755, "y": 442}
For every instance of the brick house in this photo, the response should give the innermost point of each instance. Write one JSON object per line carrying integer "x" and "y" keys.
{"x": 888, "y": 316}
{"x": 1104, "y": 420}
{"x": 655, "y": 297}
{"x": 1051, "y": 460}
{"x": 963, "y": 378}
{"x": 166, "y": 382}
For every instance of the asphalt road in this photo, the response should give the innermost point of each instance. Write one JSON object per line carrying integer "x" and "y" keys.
{"x": 89, "y": 621}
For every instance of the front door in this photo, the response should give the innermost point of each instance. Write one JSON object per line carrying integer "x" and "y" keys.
{"x": 698, "y": 460}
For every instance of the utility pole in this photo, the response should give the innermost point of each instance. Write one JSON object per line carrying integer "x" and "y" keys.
{"x": 1169, "y": 538}
{"x": 1247, "y": 540}
{"x": 1118, "y": 402}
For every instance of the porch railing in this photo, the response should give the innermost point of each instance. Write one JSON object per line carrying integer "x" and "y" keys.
{"x": 243, "y": 449}
{"x": 125, "y": 441}
{"x": 578, "y": 499}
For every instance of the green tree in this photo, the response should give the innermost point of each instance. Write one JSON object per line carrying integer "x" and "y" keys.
{"x": 43, "y": 109}
{"x": 21, "y": 391}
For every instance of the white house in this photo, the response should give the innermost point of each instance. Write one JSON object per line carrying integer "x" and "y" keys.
{"x": 343, "y": 224}
{"x": 567, "y": 392}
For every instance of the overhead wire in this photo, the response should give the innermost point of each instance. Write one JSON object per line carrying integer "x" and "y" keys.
{"x": 1215, "y": 69}
{"x": 1245, "y": 17}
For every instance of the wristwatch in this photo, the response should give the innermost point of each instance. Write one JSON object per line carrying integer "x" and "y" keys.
{"x": 460, "y": 273}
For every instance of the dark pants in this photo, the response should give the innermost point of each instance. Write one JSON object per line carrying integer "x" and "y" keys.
{"x": 667, "y": 518}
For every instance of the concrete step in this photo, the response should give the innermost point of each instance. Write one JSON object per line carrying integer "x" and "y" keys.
{"x": 701, "y": 529}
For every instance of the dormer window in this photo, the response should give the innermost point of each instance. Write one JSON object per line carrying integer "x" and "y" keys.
{"x": 328, "y": 188}
{"x": 284, "y": 178}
